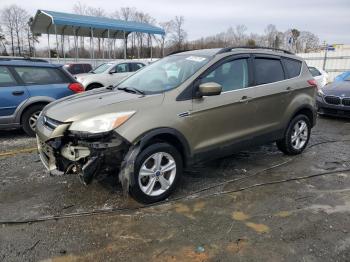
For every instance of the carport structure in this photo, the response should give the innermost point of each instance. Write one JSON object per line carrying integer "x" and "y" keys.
{"x": 65, "y": 24}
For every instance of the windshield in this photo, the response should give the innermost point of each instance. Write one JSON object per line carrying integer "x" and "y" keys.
{"x": 101, "y": 68}
{"x": 165, "y": 74}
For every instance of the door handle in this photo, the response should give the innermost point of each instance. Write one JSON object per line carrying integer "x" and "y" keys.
{"x": 245, "y": 99}
{"x": 18, "y": 93}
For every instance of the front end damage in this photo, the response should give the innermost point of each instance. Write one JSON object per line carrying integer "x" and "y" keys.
{"x": 83, "y": 154}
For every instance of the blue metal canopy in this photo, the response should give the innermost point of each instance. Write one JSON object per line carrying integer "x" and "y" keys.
{"x": 50, "y": 22}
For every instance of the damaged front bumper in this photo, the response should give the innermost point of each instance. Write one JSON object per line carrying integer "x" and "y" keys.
{"x": 80, "y": 153}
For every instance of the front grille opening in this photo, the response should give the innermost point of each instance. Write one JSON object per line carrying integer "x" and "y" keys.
{"x": 333, "y": 100}
{"x": 346, "y": 101}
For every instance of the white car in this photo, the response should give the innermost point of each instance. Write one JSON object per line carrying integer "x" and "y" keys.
{"x": 109, "y": 74}
{"x": 320, "y": 76}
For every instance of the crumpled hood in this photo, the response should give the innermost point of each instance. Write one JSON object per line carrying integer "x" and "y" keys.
{"x": 97, "y": 102}
{"x": 337, "y": 89}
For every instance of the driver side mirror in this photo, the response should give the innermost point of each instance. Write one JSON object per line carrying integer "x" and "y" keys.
{"x": 112, "y": 71}
{"x": 209, "y": 89}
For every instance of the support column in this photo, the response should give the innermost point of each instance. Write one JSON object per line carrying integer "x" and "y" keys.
{"x": 150, "y": 40}
{"x": 109, "y": 46}
{"x": 163, "y": 38}
{"x": 92, "y": 46}
{"x": 57, "y": 55}
{"x": 48, "y": 44}
{"x": 125, "y": 47}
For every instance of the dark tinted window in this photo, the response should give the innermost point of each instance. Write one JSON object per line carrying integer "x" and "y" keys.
{"x": 268, "y": 71}
{"x": 6, "y": 78}
{"x": 122, "y": 68}
{"x": 314, "y": 72}
{"x": 87, "y": 67}
{"x": 41, "y": 75}
{"x": 293, "y": 67}
{"x": 77, "y": 69}
{"x": 231, "y": 75}
{"x": 136, "y": 66}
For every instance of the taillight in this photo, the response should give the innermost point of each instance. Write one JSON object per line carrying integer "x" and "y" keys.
{"x": 312, "y": 82}
{"x": 76, "y": 87}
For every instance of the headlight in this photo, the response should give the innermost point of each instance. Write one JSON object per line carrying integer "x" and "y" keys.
{"x": 320, "y": 92}
{"x": 101, "y": 123}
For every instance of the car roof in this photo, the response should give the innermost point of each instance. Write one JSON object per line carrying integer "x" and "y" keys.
{"x": 237, "y": 50}
{"x": 27, "y": 63}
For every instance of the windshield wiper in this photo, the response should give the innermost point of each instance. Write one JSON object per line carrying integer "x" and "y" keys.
{"x": 131, "y": 90}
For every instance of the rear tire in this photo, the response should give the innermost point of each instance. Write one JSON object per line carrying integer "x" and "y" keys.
{"x": 296, "y": 136}
{"x": 155, "y": 182}
{"x": 29, "y": 118}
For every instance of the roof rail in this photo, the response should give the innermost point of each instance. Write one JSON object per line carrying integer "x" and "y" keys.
{"x": 178, "y": 51}
{"x": 228, "y": 49}
{"x": 3, "y": 58}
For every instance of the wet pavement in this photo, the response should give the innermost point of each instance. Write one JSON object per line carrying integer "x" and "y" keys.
{"x": 256, "y": 205}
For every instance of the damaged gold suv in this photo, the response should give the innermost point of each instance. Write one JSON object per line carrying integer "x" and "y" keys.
{"x": 184, "y": 108}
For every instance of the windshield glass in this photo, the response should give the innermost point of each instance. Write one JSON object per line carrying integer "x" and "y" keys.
{"x": 101, "y": 68}
{"x": 165, "y": 74}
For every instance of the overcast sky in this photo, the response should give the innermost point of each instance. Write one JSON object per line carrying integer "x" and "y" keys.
{"x": 330, "y": 20}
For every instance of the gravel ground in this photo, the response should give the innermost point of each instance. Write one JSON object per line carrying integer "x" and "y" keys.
{"x": 286, "y": 219}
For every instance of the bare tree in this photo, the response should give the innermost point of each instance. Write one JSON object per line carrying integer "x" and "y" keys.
{"x": 8, "y": 21}
{"x": 3, "y": 42}
{"x": 178, "y": 34}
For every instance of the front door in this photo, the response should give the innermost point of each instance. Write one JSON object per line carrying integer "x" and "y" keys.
{"x": 223, "y": 120}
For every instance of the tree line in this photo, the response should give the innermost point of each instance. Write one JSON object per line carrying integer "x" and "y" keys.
{"x": 16, "y": 38}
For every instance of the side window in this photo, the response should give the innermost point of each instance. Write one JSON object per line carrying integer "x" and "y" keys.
{"x": 268, "y": 70}
{"x": 293, "y": 67}
{"x": 6, "y": 78}
{"x": 40, "y": 75}
{"x": 314, "y": 72}
{"x": 138, "y": 66}
{"x": 231, "y": 75}
{"x": 78, "y": 69}
{"x": 122, "y": 68}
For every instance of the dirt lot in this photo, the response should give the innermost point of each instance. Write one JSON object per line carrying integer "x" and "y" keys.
{"x": 251, "y": 209}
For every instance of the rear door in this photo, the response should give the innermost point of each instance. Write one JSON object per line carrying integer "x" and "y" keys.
{"x": 12, "y": 93}
{"x": 222, "y": 120}
{"x": 272, "y": 93}
{"x": 44, "y": 81}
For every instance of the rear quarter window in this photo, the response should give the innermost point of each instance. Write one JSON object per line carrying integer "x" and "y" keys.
{"x": 268, "y": 70}
{"x": 41, "y": 75}
{"x": 293, "y": 67}
{"x": 314, "y": 72}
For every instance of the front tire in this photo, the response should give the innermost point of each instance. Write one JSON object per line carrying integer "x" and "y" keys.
{"x": 29, "y": 118}
{"x": 157, "y": 172}
{"x": 296, "y": 136}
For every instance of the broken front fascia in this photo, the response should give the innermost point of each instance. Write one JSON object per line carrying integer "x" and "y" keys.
{"x": 83, "y": 154}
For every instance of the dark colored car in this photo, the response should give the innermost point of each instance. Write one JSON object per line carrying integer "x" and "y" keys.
{"x": 26, "y": 87}
{"x": 78, "y": 68}
{"x": 334, "y": 99}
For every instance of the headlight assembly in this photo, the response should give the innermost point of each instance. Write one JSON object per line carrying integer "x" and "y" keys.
{"x": 101, "y": 123}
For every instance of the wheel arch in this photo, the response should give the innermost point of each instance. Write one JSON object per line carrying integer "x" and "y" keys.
{"x": 168, "y": 135}
{"x": 93, "y": 83}
{"x": 29, "y": 103}
{"x": 307, "y": 110}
